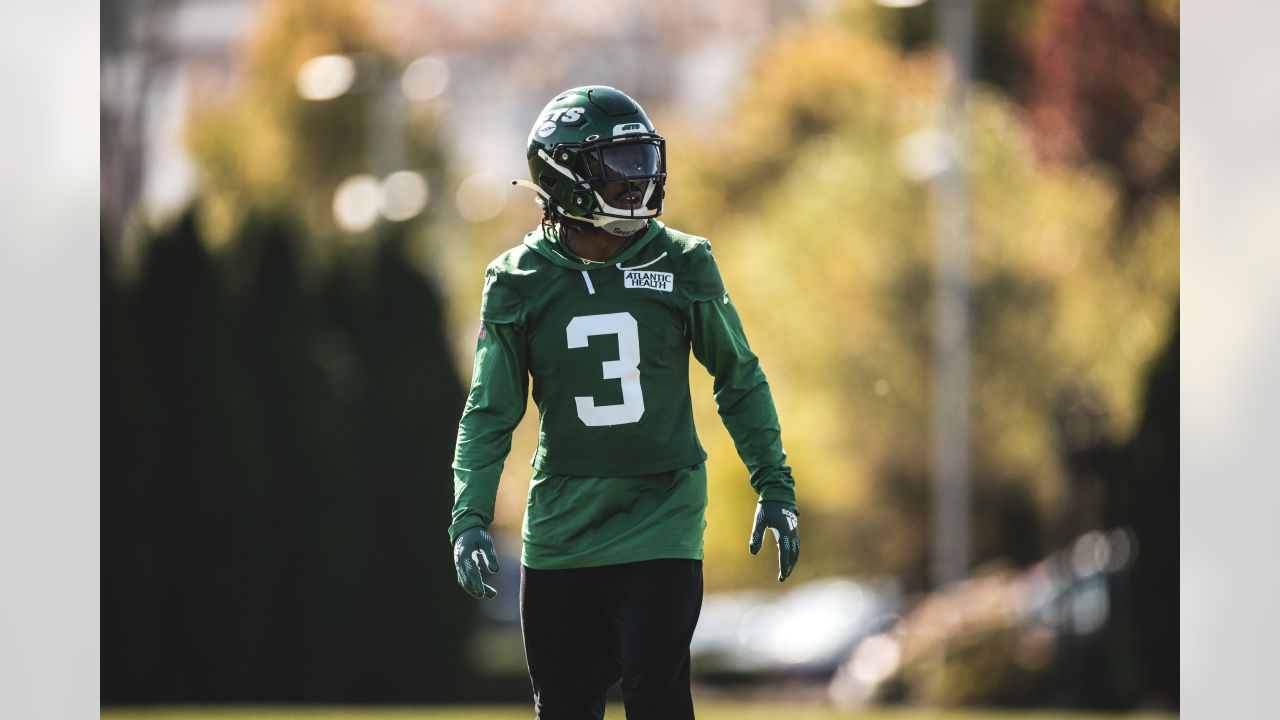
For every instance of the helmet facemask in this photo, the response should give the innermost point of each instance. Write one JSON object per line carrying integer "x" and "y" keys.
{"x": 625, "y": 176}
{"x": 618, "y": 183}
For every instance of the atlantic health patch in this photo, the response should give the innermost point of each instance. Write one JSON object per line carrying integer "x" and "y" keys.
{"x": 649, "y": 280}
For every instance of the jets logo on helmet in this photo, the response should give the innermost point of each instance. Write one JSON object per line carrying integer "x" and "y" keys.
{"x": 594, "y": 157}
{"x": 567, "y": 116}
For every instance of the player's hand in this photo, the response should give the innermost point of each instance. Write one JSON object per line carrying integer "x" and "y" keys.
{"x": 783, "y": 520}
{"x": 471, "y": 546}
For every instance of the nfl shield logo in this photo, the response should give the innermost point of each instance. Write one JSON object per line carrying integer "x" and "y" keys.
{"x": 484, "y": 334}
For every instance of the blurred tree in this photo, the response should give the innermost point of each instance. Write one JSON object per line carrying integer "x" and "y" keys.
{"x": 1097, "y": 79}
{"x": 131, "y": 574}
{"x": 1143, "y": 495}
{"x": 407, "y": 399}
{"x": 280, "y": 429}
{"x": 186, "y": 452}
{"x": 276, "y": 474}
{"x": 277, "y": 440}
{"x": 274, "y": 151}
{"x": 1001, "y": 27}
{"x": 1102, "y": 87}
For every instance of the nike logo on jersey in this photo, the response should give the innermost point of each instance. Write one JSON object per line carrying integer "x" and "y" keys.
{"x": 649, "y": 280}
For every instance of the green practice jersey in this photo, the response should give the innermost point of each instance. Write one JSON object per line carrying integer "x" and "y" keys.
{"x": 607, "y": 347}
{"x": 584, "y": 521}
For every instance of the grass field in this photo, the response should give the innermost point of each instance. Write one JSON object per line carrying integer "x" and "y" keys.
{"x": 706, "y": 711}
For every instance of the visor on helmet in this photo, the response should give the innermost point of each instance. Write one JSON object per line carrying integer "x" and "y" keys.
{"x": 629, "y": 160}
{"x": 626, "y": 176}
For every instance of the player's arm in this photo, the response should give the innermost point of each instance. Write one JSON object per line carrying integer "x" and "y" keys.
{"x": 495, "y": 404}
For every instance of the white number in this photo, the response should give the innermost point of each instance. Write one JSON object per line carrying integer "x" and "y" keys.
{"x": 626, "y": 368}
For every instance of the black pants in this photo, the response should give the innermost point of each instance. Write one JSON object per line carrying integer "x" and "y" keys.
{"x": 586, "y": 628}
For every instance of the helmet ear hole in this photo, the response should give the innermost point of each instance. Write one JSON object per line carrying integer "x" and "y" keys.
{"x": 546, "y": 182}
{"x": 583, "y": 200}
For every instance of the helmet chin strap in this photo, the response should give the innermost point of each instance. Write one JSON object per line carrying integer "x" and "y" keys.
{"x": 619, "y": 226}
{"x": 612, "y": 225}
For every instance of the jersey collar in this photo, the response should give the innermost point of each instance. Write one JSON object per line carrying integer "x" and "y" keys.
{"x": 548, "y": 246}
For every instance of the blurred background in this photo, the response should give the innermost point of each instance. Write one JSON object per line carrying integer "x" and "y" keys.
{"x": 952, "y": 231}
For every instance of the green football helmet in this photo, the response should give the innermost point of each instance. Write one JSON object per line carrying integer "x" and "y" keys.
{"x": 594, "y": 157}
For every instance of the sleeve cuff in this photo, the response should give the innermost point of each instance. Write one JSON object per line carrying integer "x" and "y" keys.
{"x": 462, "y": 525}
{"x": 779, "y": 494}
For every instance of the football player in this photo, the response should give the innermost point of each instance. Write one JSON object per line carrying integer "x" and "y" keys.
{"x": 600, "y": 306}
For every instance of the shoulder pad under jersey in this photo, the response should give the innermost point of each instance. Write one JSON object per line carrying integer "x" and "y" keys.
{"x": 699, "y": 278}
{"x": 510, "y": 282}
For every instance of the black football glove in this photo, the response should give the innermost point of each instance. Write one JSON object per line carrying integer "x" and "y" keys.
{"x": 472, "y": 545}
{"x": 783, "y": 520}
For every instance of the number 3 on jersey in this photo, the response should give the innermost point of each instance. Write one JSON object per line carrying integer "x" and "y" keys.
{"x": 626, "y": 368}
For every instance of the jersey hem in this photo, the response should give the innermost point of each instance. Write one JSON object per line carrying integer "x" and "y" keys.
{"x": 650, "y": 554}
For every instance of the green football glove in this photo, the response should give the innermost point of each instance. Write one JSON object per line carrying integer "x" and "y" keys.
{"x": 471, "y": 545}
{"x": 783, "y": 520}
